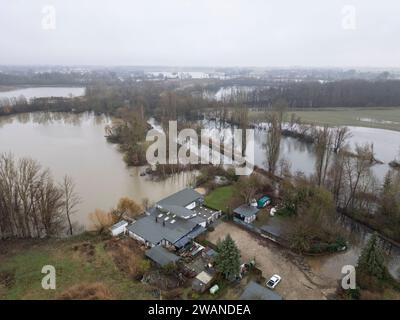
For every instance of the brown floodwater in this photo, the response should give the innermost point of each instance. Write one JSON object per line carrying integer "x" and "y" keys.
{"x": 75, "y": 145}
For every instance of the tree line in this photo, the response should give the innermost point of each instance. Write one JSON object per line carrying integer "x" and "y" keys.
{"x": 32, "y": 204}
{"x": 336, "y": 94}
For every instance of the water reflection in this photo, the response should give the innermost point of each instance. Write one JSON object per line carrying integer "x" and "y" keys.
{"x": 74, "y": 144}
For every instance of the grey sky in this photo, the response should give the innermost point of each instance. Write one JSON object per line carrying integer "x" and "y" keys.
{"x": 201, "y": 33}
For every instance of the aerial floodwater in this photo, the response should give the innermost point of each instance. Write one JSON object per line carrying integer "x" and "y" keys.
{"x": 43, "y": 92}
{"x": 75, "y": 145}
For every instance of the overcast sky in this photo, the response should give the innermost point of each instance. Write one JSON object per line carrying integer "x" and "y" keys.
{"x": 201, "y": 32}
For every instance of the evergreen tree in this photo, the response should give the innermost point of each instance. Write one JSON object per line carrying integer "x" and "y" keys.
{"x": 371, "y": 261}
{"x": 228, "y": 258}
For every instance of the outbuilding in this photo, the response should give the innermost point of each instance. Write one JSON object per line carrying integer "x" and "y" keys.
{"x": 161, "y": 256}
{"x": 202, "y": 281}
{"x": 119, "y": 228}
{"x": 246, "y": 213}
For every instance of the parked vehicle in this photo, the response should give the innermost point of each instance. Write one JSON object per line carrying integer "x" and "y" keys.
{"x": 273, "y": 281}
{"x": 263, "y": 202}
{"x": 253, "y": 203}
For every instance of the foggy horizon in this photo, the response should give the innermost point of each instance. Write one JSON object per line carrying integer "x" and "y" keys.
{"x": 311, "y": 34}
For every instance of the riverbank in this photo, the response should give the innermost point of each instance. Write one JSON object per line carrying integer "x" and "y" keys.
{"x": 381, "y": 118}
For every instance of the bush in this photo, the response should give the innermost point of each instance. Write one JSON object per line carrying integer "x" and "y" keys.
{"x": 87, "y": 291}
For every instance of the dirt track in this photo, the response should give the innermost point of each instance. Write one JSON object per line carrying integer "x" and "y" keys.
{"x": 296, "y": 282}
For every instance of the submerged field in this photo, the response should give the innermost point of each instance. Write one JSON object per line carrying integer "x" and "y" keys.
{"x": 383, "y": 118}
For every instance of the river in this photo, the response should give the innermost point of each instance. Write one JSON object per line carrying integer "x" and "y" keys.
{"x": 301, "y": 156}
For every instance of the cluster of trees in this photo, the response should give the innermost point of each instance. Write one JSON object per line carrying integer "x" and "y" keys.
{"x": 343, "y": 93}
{"x": 32, "y": 204}
{"x": 347, "y": 175}
{"x": 129, "y": 131}
{"x": 43, "y": 78}
{"x": 311, "y": 211}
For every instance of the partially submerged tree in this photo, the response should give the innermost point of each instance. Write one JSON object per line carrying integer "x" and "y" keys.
{"x": 228, "y": 258}
{"x": 340, "y": 135}
{"x": 272, "y": 145}
{"x": 323, "y": 142}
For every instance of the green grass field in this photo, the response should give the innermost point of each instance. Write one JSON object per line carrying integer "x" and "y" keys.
{"x": 219, "y": 198}
{"x": 383, "y": 118}
{"x": 25, "y": 265}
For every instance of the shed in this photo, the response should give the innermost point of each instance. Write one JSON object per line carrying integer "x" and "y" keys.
{"x": 118, "y": 228}
{"x": 246, "y": 213}
{"x": 161, "y": 256}
{"x": 255, "y": 291}
{"x": 202, "y": 281}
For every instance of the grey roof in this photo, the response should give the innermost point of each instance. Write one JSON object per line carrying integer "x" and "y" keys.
{"x": 246, "y": 210}
{"x": 273, "y": 230}
{"x": 155, "y": 231}
{"x": 191, "y": 235}
{"x": 181, "y": 198}
{"x": 151, "y": 227}
{"x": 118, "y": 224}
{"x": 161, "y": 255}
{"x": 255, "y": 291}
{"x": 179, "y": 211}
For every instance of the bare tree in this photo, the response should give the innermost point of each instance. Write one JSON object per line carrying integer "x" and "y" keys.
{"x": 273, "y": 142}
{"x": 340, "y": 135}
{"x": 323, "y": 142}
{"x": 71, "y": 199}
{"x": 357, "y": 172}
{"x": 31, "y": 204}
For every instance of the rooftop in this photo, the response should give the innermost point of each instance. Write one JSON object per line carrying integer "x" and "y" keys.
{"x": 204, "y": 277}
{"x": 118, "y": 224}
{"x": 161, "y": 255}
{"x": 181, "y": 198}
{"x": 158, "y": 226}
{"x": 255, "y": 291}
{"x": 246, "y": 211}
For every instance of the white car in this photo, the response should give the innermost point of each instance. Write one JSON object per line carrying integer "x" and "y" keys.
{"x": 273, "y": 281}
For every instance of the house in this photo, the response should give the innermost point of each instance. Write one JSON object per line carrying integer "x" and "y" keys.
{"x": 118, "y": 228}
{"x": 174, "y": 221}
{"x": 246, "y": 213}
{"x": 255, "y": 291}
{"x": 202, "y": 281}
{"x": 161, "y": 256}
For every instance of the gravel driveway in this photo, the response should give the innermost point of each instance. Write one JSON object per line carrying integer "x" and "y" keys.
{"x": 271, "y": 259}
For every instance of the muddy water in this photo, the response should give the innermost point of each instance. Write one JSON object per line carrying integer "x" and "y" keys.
{"x": 75, "y": 145}
{"x": 302, "y": 156}
{"x": 330, "y": 266}
{"x": 43, "y": 92}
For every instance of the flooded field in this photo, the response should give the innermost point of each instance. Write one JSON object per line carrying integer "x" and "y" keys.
{"x": 75, "y": 145}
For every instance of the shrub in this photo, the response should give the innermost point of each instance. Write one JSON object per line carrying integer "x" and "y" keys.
{"x": 87, "y": 291}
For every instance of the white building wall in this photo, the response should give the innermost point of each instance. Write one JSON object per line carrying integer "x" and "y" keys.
{"x": 191, "y": 206}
